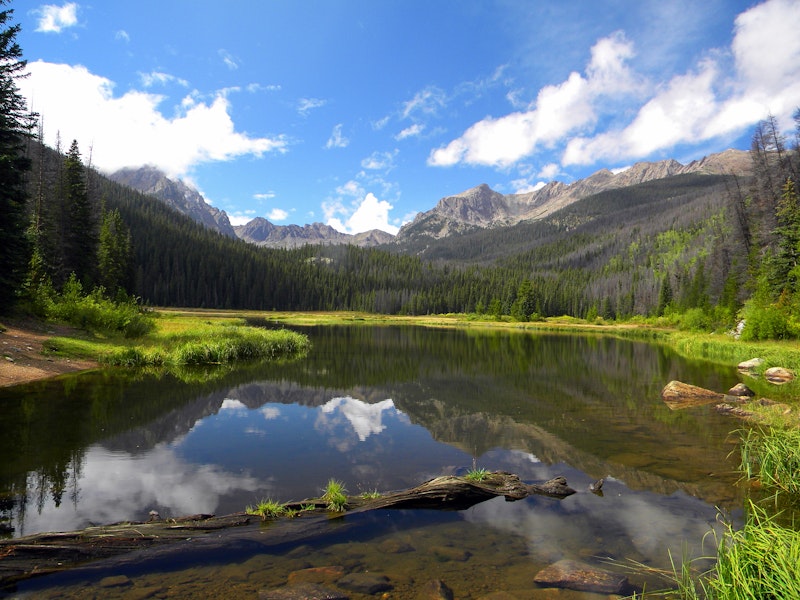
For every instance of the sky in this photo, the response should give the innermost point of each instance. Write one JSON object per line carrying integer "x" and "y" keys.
{"x": 362, "y": 113}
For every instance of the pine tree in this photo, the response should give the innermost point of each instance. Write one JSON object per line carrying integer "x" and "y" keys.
{"x": 114, "y": 254}
{"x": 15, "y": 126}
{"x": 80, "y": 236}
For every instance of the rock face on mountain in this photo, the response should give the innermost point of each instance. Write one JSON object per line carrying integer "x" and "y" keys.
{"x": 178, "y": 195}
{"x": 261, "y": 232}
{"x": 482, "y": 207}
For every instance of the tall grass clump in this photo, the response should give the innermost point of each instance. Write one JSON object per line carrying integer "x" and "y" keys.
{"x": 335, "y": 496}
{"x": 772, "y": 455}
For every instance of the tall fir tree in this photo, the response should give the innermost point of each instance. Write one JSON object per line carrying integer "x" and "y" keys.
{"x": 114, "y": 254}
{"x": 80, "y": 235}
{"x": 16, "y": 123}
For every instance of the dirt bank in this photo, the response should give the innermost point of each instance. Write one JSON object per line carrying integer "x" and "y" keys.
{"x": 22, "y": 360}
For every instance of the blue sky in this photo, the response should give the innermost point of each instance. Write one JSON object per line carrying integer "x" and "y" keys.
{"x": 362, "y": 113}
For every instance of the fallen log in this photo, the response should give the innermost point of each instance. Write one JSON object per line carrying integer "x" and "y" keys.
{"x": 45, "y": 553}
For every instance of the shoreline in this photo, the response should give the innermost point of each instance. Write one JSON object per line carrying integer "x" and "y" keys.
{"x": 24, "y": 360}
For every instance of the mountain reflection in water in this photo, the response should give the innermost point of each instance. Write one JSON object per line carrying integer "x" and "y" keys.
{"x": 384, "y": 408}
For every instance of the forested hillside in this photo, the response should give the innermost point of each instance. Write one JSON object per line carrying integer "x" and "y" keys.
{"x": 698, "y": 250}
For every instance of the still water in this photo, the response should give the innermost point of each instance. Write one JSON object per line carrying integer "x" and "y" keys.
{"x": 378, "y": 408}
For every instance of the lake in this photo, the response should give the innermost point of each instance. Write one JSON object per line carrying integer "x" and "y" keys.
{"x": 378, "y": 408}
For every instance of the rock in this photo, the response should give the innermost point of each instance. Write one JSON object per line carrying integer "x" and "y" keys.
{"x": 435, "y": 589}
{"x": 749, "y": 366}
{"x": 682, "y": 395}
{"x": 316, "y": 575}
{"x": 741, "y": 390}
{"x": 394, "y": 546}
{"x": 582, "y": 577}
{"x": 365, "y": 583}
{"x": 302, "y": 591}
{"x": 448, "y": 553}
{"x": 114, "y": 581}
{"x": 778, "y": 375}
{"x": 736, "y": 411}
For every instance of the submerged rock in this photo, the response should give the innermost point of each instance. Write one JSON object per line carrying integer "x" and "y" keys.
{"x": 677, "y": 394}
{"x": 435, "y": 589}
{"x": 302, "y": 591}
{"x": 365, "y": 583}
{"x": 582, "y": 577}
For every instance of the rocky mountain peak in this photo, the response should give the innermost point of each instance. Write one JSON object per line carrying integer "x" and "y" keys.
{"x": 176, "y": 194}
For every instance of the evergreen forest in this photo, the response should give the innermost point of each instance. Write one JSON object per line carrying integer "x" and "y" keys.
{"x": 698, "y": 251}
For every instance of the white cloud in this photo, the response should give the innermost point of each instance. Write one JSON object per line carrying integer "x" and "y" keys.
{"x": 122, "y": 35}
{"x": 241, "y": 217}
{"x": 351, "y": 188}
{"x": 337, "y": 140}
{"x": 228, "y": 59}
{"x": 413, "y": 131}
{"x": 159, "y": 78}
{"x": 264, "y": 196}
{"x": 306, "y": 105}
{"x": 558, "y": 111}
{"x": 427, "y": 101}
{"x": 368, "y": 214}
{"x": 722, "y": 94}
{"x": 707, "y": 102}
{"x": 380, "y": 161}
{"x": 277, "y": 214}
{"x": 54, "y": 19}
{"x": 130, "y": 130}
{"x": 549, "y": 171}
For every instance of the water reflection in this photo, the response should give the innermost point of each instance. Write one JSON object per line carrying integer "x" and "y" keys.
{"x": 386, "y": 408}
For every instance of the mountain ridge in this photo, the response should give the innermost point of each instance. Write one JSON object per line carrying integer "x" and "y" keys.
{"x": 479, "y": 207}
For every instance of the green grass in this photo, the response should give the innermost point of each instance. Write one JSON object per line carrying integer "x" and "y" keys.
{"x": 185, "y": 340}
{"x": 477, "y": 475}
{"x": 335, "y": 496}
{"x": 267, "y": 509}
{"x": 760, "y": 561}
{"x": 371, "y": 495}
{"x": 772, "y": 455}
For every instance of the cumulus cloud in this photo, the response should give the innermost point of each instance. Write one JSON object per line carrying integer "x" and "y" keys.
{"x": 365, "y": 215}
{"x": 130, "y": 130}
{"x": 277, "y": 214}
{"x": 54, "y": 19}
{"x": 557, "y": 111}
{"x": 337, "y": 140}
{"x": 722, "y": 94}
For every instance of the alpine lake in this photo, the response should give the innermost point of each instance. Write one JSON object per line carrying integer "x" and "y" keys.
{"x": 378, "y": 408}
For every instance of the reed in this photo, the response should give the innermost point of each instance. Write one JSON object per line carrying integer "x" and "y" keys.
{"x": 772, "y": 455}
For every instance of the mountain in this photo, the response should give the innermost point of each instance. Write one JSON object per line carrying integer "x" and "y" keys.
{"x": 176, "y": 194}
{"x": 481, "y": 207}
{"x": 261, "y": 232}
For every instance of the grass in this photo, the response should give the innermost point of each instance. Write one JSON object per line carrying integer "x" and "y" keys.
{"x": 772, "y": 455}
{"x": 335, "y": 496}
{"x": 267, "y": 509}
{"x": 186, "y": 340}
{"x": 477, "y": 475}
{"x": 371, "y": 495}
{"x": 760, "y": 561}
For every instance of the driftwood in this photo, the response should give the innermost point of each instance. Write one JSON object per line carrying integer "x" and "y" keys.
{"x": 45, "y": 553}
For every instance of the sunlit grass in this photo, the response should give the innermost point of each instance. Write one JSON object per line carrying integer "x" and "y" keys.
{"x": 267, "y": 509}
{"x": 772, "y": 455}
{"x": 477, "y": 475}
{"x": 335, "y": 496}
